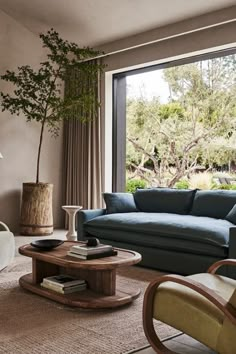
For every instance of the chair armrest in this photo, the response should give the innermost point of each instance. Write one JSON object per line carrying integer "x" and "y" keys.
{"x": 86, "y": 215}
{"x": 3, "y": 227}
{"x": 215, "y": 266}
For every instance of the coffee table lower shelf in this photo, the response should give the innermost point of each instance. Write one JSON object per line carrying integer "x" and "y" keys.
{"x": 85, "y": 299}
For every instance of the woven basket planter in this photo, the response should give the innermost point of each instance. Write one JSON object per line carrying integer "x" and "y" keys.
{"x": 36, "y": 209}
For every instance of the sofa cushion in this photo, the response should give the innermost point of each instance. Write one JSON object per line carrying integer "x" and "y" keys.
{"x": 177, "y": 227}
{"x": 164, "y": 200}
{"x": 160, "y": 241}
{"x": 119, "y": 202}
{"x": 231, "y": 216}
{"x": 213, "y": 203}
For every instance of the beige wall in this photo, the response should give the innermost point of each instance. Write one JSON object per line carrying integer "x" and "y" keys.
{"x": 18, "y": 139}
{"x": 203, "y": 33}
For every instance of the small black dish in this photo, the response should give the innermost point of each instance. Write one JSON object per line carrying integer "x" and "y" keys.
{"x": 46, "y": 244}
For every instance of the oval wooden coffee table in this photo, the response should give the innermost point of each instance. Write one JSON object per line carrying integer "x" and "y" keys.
{"x": 100, "y": 274}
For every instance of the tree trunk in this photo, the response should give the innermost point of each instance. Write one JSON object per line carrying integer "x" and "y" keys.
{"x": 39, "y": 151}
{"x": 36, "y": 209}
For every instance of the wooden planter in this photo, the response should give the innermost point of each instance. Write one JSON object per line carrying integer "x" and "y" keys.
{"x": 36, "y": 209}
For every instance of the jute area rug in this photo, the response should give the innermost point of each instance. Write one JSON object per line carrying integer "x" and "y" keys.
{"x": 31, "y": 324}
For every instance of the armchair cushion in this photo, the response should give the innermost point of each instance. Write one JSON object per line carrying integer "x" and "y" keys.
{"x": 201, "y": 305}
{"x": 185, "y": 309}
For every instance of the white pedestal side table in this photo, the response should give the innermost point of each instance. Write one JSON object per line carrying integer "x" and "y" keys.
{"x": 71, "y": 211}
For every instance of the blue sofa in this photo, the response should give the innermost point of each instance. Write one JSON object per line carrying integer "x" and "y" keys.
{"x": 180, "y": 231}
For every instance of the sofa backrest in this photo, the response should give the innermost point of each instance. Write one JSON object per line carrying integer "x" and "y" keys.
{"x": 164, "y": 200}
{"x": 213, "y": 203}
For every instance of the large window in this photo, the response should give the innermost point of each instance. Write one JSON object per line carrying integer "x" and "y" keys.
{"x": 177, "y": 125}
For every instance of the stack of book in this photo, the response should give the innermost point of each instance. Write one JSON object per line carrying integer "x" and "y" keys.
{"x": 64, "y": 284}
{"x": 91, "y": 252}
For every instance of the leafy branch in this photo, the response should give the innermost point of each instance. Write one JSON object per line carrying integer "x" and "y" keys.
{"x": 38, "y": 93}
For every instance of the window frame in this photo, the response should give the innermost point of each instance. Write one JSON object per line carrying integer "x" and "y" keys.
{"x": 119, "y": 110}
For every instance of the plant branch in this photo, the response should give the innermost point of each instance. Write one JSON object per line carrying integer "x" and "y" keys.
{"x": 39, "y": 151}
{"x": 141, "y": 149}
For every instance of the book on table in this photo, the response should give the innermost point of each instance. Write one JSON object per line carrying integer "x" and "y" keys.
{"x": 67, "y": 290}
{"x": 103, "y": 254}
{"x": 63, "y": 281}
{"x": 85, "y": 250}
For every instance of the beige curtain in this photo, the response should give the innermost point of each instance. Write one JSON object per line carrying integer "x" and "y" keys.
{"x": 82, "y": 147}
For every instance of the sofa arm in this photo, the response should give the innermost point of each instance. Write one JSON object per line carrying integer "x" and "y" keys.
{"x": 232, "y": 243}
{"x": 85, "y": 215}
{"x": 232, "y": 251}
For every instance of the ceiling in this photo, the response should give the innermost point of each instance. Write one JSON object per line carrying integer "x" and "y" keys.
{"x": 93, "y": 22}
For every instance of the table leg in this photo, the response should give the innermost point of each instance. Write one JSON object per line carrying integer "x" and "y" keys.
{"x": 42, "y": 270}
{"x": 100, "y": 281}
{"x": 71, "y": 234}
{"x": 103, "y": 282}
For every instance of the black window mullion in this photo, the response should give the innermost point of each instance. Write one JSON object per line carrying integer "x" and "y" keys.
{"x": 119, "y": 134}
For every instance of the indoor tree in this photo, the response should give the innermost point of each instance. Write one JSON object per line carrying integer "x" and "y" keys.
{"x": 38, "y": 93}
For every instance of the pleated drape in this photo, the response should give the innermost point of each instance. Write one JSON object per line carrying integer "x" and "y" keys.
{"x": 82, "y": 174}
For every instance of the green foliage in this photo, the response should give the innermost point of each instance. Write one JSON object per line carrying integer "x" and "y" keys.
{"x": 171, "y": 110}
{"x": 182, "y": 184}
{"x": 214, "y": 185}
{"x": 185, "y": 184}
{"x": 133, "y": 184}
{"x": 224, "y": 186}
{"x": 194, "y": 130}
{"x": 38, "y": 93}
{"x": 227, "y": 186}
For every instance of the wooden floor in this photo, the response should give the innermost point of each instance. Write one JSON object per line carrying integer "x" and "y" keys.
{"x": 183, "y": 345}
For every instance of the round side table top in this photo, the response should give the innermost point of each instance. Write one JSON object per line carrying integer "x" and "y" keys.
{"x": 68, "y": 207}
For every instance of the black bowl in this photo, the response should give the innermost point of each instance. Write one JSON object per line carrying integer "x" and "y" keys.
{"x": 47, "y": 244}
